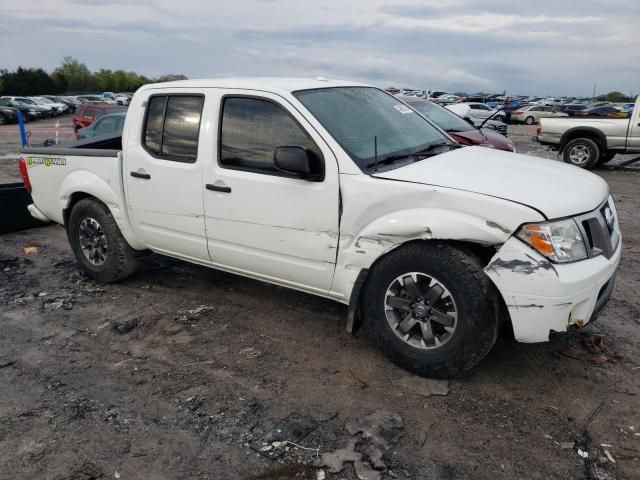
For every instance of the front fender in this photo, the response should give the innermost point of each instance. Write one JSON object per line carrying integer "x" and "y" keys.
{"x": 358, "y": 252}
{"x": 86, "y": 182}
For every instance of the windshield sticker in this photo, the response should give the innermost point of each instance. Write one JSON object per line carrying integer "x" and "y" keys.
{"x": 403, "y": 108}
{"x": 46, "y": 161}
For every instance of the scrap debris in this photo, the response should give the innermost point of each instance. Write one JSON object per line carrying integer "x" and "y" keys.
{"x": 289, "y": 431}
{"x": 370, "y": 438}
{"x": 590, "y": 348}
{"x": 425, "y": 387}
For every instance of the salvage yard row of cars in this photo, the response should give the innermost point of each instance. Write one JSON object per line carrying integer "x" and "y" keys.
{"x": 47, "y": 106}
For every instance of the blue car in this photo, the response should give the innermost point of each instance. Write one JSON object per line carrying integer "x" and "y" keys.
{"x": 105, "y": 125}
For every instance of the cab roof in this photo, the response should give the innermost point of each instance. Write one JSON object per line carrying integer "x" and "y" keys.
{"x": 269, "y": 84}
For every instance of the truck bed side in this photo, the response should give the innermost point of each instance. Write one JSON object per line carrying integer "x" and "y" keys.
{"x": 60, "y": 176}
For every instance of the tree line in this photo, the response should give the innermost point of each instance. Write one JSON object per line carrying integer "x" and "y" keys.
{"x": 73, "y": 76}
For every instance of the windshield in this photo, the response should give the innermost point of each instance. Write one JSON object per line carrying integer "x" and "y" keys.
{"x": 360, "y": 117}
{"x": 442, "y": 117}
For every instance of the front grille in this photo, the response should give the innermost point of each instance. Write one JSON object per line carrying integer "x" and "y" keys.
{"x": 600, "y": 229}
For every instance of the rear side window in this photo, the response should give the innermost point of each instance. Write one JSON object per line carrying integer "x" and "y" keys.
{"x": 252, "y": 129}
{"x": 172, "y": 126}
{"x": 89, "y": 112}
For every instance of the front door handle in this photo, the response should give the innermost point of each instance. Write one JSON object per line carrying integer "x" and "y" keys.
{"x": 218, "y": 188}
{"x": 142, "y": 175}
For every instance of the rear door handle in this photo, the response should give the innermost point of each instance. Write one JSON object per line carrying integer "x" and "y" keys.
{"x": 218, "y": 188}
{"x": 145, "y": 176}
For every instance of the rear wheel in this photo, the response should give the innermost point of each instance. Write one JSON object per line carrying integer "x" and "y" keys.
{"x": 581, "y": 152}
{"x": 98, "y": 244}
{"x": 431, "y": 309}
{"x": 3, "y": 120}
{"x": 529, "y": 120}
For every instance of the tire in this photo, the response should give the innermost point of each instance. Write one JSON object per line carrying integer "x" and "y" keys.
{"x": 529, "y": 120}
{"x": 605, "y": 158}
{"x": 106, "y": 255}
{"x": 465, "y": 294}
{"x": 581, "y": 152}
{"x": 3, "y": 120}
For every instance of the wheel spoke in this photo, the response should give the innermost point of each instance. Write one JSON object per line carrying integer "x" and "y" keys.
{"x": 399, "y": 303}
{"x": 434, "y": 294}
{"x": 442, "y": 318}
{"x": 411, "y": 287}
{"x": 407, "y": 324}
{"x": 427, "y": 333}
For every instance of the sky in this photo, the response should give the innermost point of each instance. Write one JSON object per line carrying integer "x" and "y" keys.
{"x": 541, "y": 47}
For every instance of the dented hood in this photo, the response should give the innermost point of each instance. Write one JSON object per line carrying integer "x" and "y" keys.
{"x": 549, "y": 186}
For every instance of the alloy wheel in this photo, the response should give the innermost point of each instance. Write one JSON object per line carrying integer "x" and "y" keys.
{"x": 93, "y": 241}
{"x": 420, "y": 310}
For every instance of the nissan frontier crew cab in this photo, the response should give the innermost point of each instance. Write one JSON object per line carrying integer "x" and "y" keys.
{"x": 340, "y": 190}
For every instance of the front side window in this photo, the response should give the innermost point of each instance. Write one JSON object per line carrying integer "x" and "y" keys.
{"x": 172, "y": 127}
{"x": 358, "y": 118}
{"x": 89, "y": 112}
{"x": 251, "y": 130}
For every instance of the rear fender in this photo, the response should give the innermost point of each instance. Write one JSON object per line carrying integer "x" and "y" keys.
{"x": 86, "y": 182}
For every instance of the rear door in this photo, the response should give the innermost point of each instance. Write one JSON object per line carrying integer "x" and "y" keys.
{"x": 261, "y": 221}
{"x": 163, "y": 174}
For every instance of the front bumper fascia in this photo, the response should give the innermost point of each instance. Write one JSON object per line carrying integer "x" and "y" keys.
{"x": 542, "y": 297}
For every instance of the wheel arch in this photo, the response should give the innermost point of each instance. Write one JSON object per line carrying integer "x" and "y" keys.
{"x": 93, "y": 187}
{"x": 583, "y": 132}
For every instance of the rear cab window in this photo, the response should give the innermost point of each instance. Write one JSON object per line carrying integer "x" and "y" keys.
{"x": 172, "y": 126}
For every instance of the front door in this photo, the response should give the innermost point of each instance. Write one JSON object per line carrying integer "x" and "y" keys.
{"x": 261, "y": 221}
{"x": 633, "y": 137}
{"x": 163, "y": 174}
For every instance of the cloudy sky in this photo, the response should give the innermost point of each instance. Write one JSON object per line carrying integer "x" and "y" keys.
{"x": 541, "y": 47}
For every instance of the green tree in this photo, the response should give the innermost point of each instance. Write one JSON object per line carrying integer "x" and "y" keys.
{"x": 616, "y": 96}
{"x": 171, "y": 78}
{"x": 103, "y": 79}
{"x": 76, "y": 74}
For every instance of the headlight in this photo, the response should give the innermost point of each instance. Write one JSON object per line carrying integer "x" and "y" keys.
{"x": 560, "y": 241}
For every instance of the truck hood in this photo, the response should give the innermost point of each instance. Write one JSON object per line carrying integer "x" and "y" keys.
{"x": 553, "y": 188}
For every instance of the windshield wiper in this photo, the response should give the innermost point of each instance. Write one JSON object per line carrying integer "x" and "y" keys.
{"x": 434, "y": 146}
{"x": 420, "y": 153}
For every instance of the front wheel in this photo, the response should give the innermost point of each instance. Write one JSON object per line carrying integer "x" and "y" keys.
{"x": 529, "y": 120}
{"x": 98, "y": 244}
{"x": 431, "y": 309}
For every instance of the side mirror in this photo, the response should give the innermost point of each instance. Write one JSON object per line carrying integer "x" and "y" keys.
{"x": 298, "y": 162}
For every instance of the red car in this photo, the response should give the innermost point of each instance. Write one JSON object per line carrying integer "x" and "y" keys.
{"x": 88, "y": 112}
{"x": 457, "y": 127}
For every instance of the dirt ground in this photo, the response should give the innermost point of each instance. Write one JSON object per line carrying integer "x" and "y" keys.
{"x": 179, "y": 371}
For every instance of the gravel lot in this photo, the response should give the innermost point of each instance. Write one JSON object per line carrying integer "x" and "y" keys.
{"x": 180, "y": 370}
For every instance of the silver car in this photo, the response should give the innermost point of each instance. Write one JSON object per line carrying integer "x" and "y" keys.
{"x": 534, "y": 113}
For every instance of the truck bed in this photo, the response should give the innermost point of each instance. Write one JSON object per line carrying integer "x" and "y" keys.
{"x": 56, "y": 173}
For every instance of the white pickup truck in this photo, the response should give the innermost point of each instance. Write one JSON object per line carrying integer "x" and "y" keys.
{"x": 341, "y": 190}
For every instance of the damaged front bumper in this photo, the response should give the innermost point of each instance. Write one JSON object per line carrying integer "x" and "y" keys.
{"x": 542, "y": 296}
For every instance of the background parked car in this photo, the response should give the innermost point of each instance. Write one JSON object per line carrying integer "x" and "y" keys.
{"x": 71, "y": 105}
{"x": 48, "y": 110}
{"x": 60, "y": 107}
{"x": 8, "y": 114}
{"x": 534, "y": 113}
{"x": 572, "y": 109}
{"x": 457, "y": 127}
{"x": 604, "y": 111}
{"x": 29, "y": 112}
{"x": 474, "y": 110}
{"x": 88, "y": 112}
{"x": 105, "y": 125}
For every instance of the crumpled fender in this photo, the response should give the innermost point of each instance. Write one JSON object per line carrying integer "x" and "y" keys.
{"x": 84, "y": 181}
{"x": 360, "y": 251}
